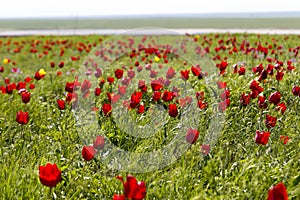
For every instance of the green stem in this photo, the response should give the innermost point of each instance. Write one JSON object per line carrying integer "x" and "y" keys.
{"x": 50, "y": 193}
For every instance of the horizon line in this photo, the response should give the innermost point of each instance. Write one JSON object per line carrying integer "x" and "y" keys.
{"x": 265, "y": 14}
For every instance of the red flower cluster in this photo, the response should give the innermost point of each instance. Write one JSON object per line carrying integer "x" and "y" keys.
{"x": 262, "y": 137}
{"x": 88, "y": 152}
{"x": 245, "y": 99}
{"x": 135, "y": 99}
{"x": 255, "y": 89}
{"x": 262, "y": 103}
{"x": 133, "y": 189}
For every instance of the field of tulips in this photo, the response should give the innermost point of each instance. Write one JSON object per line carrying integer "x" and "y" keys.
{"x": 136, "y": 117}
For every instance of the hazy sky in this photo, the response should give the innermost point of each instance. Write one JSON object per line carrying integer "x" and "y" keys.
{"x": 73, "y": 8}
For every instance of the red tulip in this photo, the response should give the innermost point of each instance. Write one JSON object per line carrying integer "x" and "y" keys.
{"x": 185, "y": 74}
{"x": 285, "y": 139}
{"x": 279, "y": 76}
{"x": 133, "y": 189}
{"x": 10, "y": 87}
{"x": 167, "y": 82}
{"x": 254, "y": 94}
{"x": 223, "y": 105}
{"x": 222, "y": 67}
{"x": 131, "y": 74}
{"x": 290, "y": 67}
{"x": 52, "y": 64}
{"x": 115, "y": 98}
{"x": 69, "y": 87}
{"x": 156, "y": 85}
{"x": 49, "y": 175}
{"x": 262, "y": 137}
{"x": 125, "y": 81}
{"x": 173, "y": 112}
{"x": 191, "y": 135}
{"x": 39, "y": 75}
{"x": 182, "y": 102}
{"x": 274, "y": 98}
{"x": 22, "y": 117}
{"x": 97, "y": 91}
{"x": 6, "y": 81}
{"x": 270, "y": 121}
{"x": 88, "y": 152}
{"x": 110, "y": 80}
{"x": 135, "y": 99}
{"x": 278, "y": 192}
{"x": 200, "y": 95}
{"x": 196, "y": 71}
{"x": 86, "y": 85}
{"x": 28, "y": 79}
{"x": 21, "y": 85}
{"x": 254, "y": 86}
{"x": 168, "y": 96}
{"x": 98, "y": 73}
{"x": 205, "y": 149}
{"x": 201, "y": 104}
{"x": 262, "y": 103}
{"x": 31, "y": 86}
{"x": 170, "y": 73}
{"x": 142, "y": 86}
{"x": 242, "y": 71}
{"x": 72, "y": 97}
{"x": 106, "y": 109}
{"x": 119, "y": 197}
{"x": 61, "y": 52}
{"x": 99, "y": 142}
{"x": 2, "y": 89}
{"x": 74, "y": 58}
{"x": 122, "y": 90}
{"x": 263, "y": 75}
{"x": 156, "y": 96}
{"x": 221, "y": 84}
{"x": 61, "y": 64}
{"x": 296, "y": 91}
{"x": 59, "y": 73}
{"x": 61, "y": 104}
{"x": 25, "y": 97}
{"x": 141, "y": 109}
{"x": 245, "y": 99}
{"x": 225, "y": 94}
{"x": 1, "y": 69}
{"x": 119, "y": 73}
{"x": 281, "y": 107}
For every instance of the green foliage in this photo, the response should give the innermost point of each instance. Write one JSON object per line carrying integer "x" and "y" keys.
{"x": 236, "y": 168}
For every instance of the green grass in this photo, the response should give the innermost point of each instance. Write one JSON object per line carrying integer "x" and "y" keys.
{"x": 236, "y": 168}
{"x": 249, "y": 23}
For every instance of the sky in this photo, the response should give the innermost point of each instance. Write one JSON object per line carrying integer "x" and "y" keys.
{"x": 88, "y": 8}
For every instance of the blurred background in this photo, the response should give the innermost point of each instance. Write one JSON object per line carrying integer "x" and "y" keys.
{"x": 127, "y": 14}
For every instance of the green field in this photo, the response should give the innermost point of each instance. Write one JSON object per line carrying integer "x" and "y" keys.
{"x": 236, "y": 167}
{"x": 115, "y": 23}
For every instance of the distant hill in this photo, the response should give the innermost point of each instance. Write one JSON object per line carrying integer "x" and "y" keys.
{"x": 262, "y": 20}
